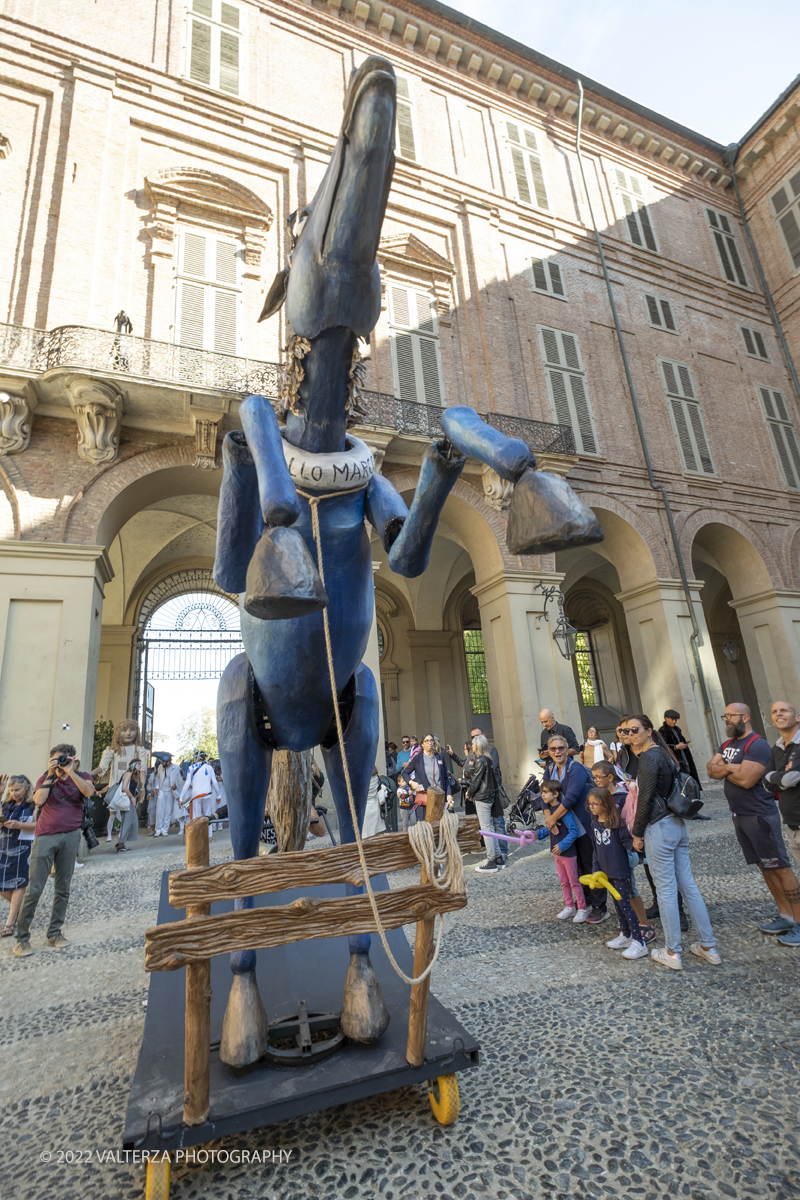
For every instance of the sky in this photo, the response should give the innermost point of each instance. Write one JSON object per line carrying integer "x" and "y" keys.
{"x": 712, "y": 65}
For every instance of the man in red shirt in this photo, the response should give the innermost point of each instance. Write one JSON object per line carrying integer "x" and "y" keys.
{"x": 59, "y": 804}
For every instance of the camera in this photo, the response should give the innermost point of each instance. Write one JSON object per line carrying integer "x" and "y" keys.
{"x": 63, "y": 760}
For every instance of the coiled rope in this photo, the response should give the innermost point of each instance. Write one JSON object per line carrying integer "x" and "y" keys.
{"x": 442, "y": 862}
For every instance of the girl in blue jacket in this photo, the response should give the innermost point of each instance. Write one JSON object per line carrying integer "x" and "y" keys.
{"x": 612, "y": 842}
{"x": 562, "y": 846}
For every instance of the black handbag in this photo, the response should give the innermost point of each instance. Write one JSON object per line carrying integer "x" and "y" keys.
{"x": 683, "y": 800}
{"x": 453, "y": 786}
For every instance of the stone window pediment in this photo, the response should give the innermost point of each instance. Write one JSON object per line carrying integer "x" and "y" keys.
{"x": 186, "y": 193}
{"x": 405, "y": 256}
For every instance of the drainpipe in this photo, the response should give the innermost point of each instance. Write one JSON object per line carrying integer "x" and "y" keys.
{"x": 657, "y": 487}
{"x": 729, "y": 157}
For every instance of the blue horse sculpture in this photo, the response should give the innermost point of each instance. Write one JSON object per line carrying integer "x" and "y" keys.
{"x": 278, "y": 694}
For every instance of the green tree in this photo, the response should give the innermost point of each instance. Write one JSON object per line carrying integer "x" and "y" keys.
{"x": 198, "y": 732}
{"x": 103, "y": 732}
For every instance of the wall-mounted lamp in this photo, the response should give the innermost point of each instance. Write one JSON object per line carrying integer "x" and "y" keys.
{"x": 731, "y": 650}
{"x": 564, "y": 635}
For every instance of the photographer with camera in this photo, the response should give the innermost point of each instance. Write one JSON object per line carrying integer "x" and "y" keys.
{"x": 58, "y": 798}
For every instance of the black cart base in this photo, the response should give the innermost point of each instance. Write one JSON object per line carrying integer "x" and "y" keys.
{"x": 309, "y": 971}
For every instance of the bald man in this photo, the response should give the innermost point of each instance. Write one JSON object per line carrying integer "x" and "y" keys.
{"x": 783, "y": 771}
{"x": 552, "y": 728}
{"x": 742, "y": 762}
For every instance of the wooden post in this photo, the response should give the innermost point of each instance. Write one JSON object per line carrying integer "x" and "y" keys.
{"x": 197, "y": 1060}
{"x": 423, "y": 953}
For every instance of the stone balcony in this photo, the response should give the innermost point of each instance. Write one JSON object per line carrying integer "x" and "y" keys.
{"x": 154, "y": 384}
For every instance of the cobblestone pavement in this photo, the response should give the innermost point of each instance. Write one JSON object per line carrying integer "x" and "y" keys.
{"x": 599, "y": 1077}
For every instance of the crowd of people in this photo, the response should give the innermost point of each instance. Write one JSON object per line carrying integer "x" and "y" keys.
{"x": 608, "y": 809}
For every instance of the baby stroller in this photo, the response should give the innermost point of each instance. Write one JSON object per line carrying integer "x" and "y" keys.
{"x": 522, "y": 815}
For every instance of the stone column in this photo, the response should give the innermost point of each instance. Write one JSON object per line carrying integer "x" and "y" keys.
{"x": 770, "y": 625}
{"x": 51, "y": 604}
{"x": 525, "y": 669}
{"x": 660, "y": 629}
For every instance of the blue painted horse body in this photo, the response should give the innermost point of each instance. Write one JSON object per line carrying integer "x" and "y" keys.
{"x": 278, "y": 695}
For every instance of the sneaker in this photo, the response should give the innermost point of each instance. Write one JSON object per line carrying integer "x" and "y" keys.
{"x": 22, "y": 948}
{"x": 580, "y": 916}
{"x": 636, "y": 950}
{"x": 109, "y": 838}
{"x": 620, "y": 942}
{"x": 792, "y": 938}
{"x": 711, "y": 955}
{"x": 779, "y": 925}
{"x": 652, "y": 912}
{"x": 501, "y": 862}
{"x": 649, "y": 934}
{"x": 597, "y": 916}
{"x": 79, "y": 864}
{"x": 663, "y": 956}
{"x": 58, "y": 942}
{"x": 565, "y": 914}
{"x": 488, "y": 864}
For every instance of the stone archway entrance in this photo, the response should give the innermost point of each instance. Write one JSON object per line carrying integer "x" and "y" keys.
{"x": 189, "y": 630}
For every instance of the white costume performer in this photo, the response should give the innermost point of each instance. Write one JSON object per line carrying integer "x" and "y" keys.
{"x": 200, "y": 794}
{"x": 168, "y": 782}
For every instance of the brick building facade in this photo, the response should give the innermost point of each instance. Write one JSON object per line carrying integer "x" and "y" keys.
{"x": 149, "y": 161}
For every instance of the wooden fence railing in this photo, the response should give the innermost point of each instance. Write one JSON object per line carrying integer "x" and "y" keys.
{"x": 194, "y": 941}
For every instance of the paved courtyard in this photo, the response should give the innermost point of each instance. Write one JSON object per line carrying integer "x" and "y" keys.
{"x": 599, "y": 1077}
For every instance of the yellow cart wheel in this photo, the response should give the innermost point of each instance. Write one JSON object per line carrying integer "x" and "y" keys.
{"x": 157, "y": 1186}
{"x": 444, "y": 1098}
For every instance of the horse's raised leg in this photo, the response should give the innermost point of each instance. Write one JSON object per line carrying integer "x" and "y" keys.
{"x": 246, "y": 764}
{"x": 364, "y": 1013}
{"x": 545, "y": 513}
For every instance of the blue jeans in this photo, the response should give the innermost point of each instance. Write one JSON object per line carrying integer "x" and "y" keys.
{"x": 494, "y": 847}
{"x": 667, "y": 849}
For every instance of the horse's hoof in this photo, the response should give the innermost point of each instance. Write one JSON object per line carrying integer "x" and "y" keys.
{"x": 245, "y": 1028}
{"x": 546, "y": 515}
{"x": 364, "y": 1013}
{"x": 282, "y": 581}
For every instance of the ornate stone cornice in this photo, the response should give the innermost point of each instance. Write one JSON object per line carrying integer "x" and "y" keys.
{"x": 183, "y": 191}
{"x": 16, "y": 412}
{"x": 97, "y": 406}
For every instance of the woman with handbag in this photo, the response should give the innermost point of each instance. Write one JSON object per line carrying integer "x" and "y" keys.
{"x": 129, "y": 790}
{"x": 481, "y": 788}
{"x": 430, "y": 767}
{"x": 665, "y": 839}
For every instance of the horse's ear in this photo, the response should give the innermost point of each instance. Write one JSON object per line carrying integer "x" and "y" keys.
{"x": 276, "y": 295}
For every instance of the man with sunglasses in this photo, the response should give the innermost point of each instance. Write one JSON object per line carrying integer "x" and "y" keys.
{"x": 405, "y": 754}
{"x": 741, "y": 762}
{"x": 576, "y": 783}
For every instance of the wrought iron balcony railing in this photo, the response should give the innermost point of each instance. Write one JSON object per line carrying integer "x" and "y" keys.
{"x": 85, "y": 348}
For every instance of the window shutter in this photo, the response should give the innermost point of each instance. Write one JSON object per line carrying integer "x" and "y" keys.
{"x": 556, "y": 281}
{"x": 513, "y": 131}
{"x": 698, "y": 428}
{"x": 530, "y": 140}
{"x": 194, "y": 254}
{"x": 203, "y": 8}
{"x": 538, "y": 181}
{"x": 568, "y": 387}
{"x": 685, "y": 380}
{"x": 406, "y": 374}
{"x": 583, "y": 414}
{"x": 779, "y": 201}
{"x": 401, "y": 313}
{"x": 200, "y": 52}
{"x": 791, "y": 231}
{"x": 561, "y": 403}
{"x": 518, "y": 160}
{"x": 647, "y": 228}
{"x": 539, "y": 277}
{"x": 748, "y": 340}
{"x": 229, "y": 15}
{"x": 783, "y": 435}
{"x": 226, "y": 262}
{"x": 653, "y": 309}
{"x": 229, "y": 63}
{"x": 760, "y": 347}
{"x": 684, "y": 440}
{"x": 405, "y": 131}
{"x": 429, "y": 359}
{"x": 426, "y": 316}
{"x": 630, "y": 217}
{"x": 727, "y": 266}
{"x": 726, "y": 247}
{"x": 737, "y": 262}
{"x": 225, "y": 304}
{"x": 669, "y": 320}
{"x": 670, "y": 379}
{"x": 192, "y": 324}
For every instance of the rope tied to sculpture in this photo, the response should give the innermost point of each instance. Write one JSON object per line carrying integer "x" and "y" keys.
{"x": 441, "y": 861}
